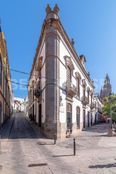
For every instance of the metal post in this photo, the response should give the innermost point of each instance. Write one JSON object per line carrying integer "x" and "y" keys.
{"x": 55, "y": 139}
{"x": 110, "y": 127}
{"x": 74, "y": 147}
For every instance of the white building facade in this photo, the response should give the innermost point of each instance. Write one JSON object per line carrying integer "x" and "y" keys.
{"x": 18, "y": 104}
{"x": 60, "y": 91}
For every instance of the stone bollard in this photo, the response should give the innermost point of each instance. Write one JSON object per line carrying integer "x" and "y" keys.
{"x": 74, "y": 147}
{"x": 54, "y": 139}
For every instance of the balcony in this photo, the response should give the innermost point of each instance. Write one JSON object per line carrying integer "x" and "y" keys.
{"x": 37, "y": 93}
{"x": 92, "y": 106}
{"x": 100, "y": 110}
{"x": 84, "y": 100}
{"x": 70, "y": 89}
{"x": 37, "y": 89}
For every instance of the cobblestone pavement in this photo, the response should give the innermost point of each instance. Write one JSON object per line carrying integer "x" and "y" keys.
{"x": 23, "y": 150}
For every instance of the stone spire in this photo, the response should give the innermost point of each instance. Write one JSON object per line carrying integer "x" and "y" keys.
{"x": 107, "y": 80}
{"x": 107, "y": 88}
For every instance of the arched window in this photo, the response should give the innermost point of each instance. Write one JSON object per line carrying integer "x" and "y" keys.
{"x": 78, "y": 78}
{"x": 78, "y": 117}
{"x": 70, "y": 68}
{"x": 69, "y": 74}
{"x": 88, "y": 93}
{"x": 84, "y": 87}
{"x": 69, "y": 117}
{"x": 69, "y": 107}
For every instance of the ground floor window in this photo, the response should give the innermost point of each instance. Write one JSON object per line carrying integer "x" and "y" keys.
{"x": 78, "y": 117}
{"x": 69, "y": 117}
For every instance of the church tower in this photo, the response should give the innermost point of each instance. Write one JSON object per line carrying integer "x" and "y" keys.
{"x": 107, "y": 88}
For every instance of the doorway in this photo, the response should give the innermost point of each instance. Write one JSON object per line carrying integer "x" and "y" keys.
{"x": 88, "y": 118}
{"x": 83, "y": 119}
{"x": 91, "y": 119}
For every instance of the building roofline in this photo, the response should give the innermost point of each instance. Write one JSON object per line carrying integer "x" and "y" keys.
{"x": 68, "y": 41}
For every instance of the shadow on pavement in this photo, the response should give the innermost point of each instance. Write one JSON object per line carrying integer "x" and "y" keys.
{"x": 103, "y": 166}
{"x": 62, "y": 155}
{"x": 20, "y": 127}
{"x": 45, "y": 143}
{"x": 99, "y": 128}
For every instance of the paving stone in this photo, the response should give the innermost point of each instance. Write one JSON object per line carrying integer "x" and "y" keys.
{"x": 25, "y": 145}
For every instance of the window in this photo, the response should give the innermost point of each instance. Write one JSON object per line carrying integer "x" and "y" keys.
{"x": 84, "y": 87}
{"x": 88, "y": 93}
{"x": 78, "y": 86}
{"x": 70, "y": 68}
{"x": 69, "y": 108}
{"x": 69, "y": 74}
{"x": 91, "y": 97}
{"x": 84, "y": 91}
{"x": 78, "y": 78}
{"x": 0, "y": 71}
{"x": 78, "y": 117}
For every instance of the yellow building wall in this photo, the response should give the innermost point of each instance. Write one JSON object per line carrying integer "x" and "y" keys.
{"x": 5, "y": 89}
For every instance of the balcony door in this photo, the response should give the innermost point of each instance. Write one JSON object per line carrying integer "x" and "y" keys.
{"x": 69, "y": 117}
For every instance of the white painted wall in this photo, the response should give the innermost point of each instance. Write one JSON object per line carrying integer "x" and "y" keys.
{"x": 64, "y": 51}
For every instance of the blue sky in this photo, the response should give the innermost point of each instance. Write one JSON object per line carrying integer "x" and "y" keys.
{"x": 92, "y": 24}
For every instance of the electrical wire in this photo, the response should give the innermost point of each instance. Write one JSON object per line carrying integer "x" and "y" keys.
{"x": 26, "y": 73}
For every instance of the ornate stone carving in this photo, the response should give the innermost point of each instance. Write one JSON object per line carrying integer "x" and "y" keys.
{"x": 70, "y": 89}
{"x": 84, "y": 83}
{"x": 84, "y": 100}
{"x": 77, "y": 74}
{"x": 69, "y": 62}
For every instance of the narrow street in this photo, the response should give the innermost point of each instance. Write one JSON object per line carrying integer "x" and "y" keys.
{"x": 24, "y": 150}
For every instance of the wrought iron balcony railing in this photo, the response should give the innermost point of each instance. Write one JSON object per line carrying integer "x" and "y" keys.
{"x": 37, "y": 88}
{"x": 71, "y": 89}
{"x": 37, "y": 92}
{"x": 92, "y": 106}
{"x": 84, "y": 100}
